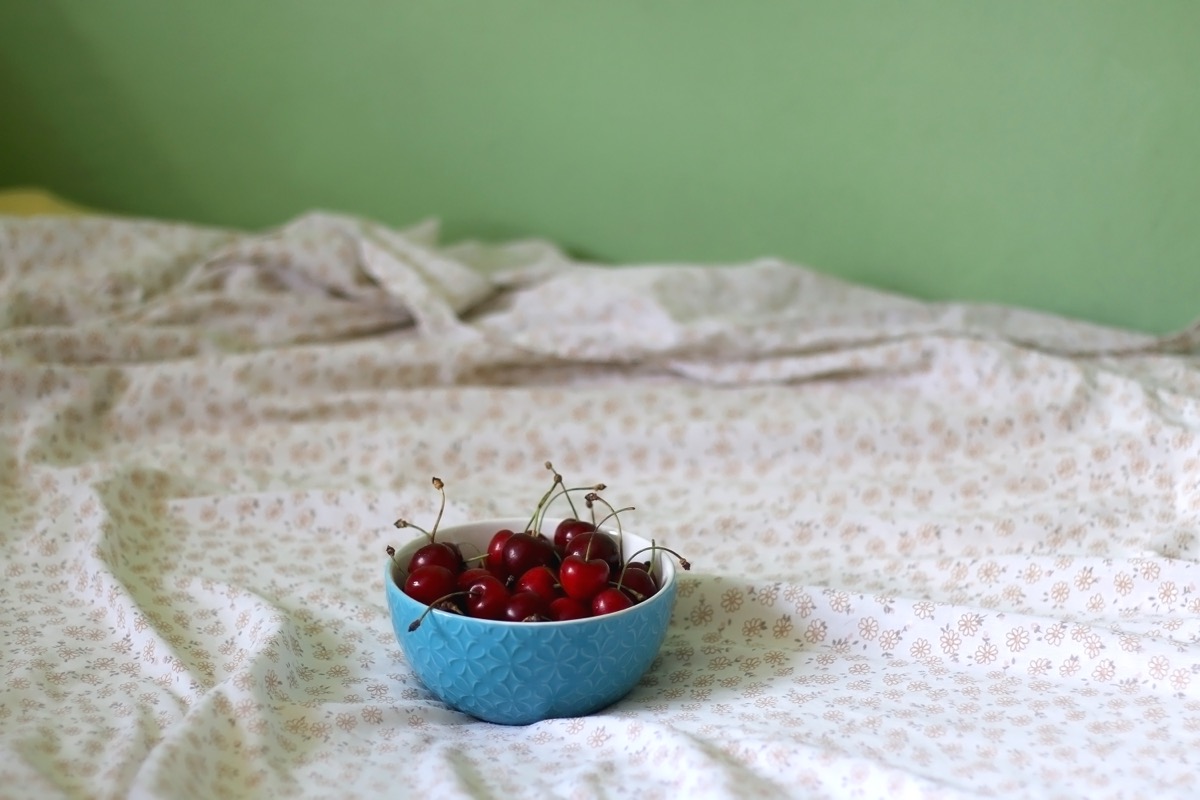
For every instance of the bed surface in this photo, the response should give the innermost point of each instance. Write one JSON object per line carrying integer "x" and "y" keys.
{"x": 939, "y": 550}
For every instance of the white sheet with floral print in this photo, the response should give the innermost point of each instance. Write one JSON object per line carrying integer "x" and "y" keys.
{"x": 941, "y": 550}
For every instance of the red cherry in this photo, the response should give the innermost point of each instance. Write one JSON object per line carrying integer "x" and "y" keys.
{"x": 524, "y": 551}
{"x": 495, "y": 553}
{"x": 596, "y": 544}
{"x": 467, "y": 577}
{"x": 541, "y": 581}
{"x": 487, "y": 598}
{"x": 568, "y": 529}
{"x": 524, "y": 607}
{"x": 581, "y": 579}
{"x": 639, "y": 583}
{"x": 566, "y": 608}
{"x": 609, "y": 601}
{"x": 436, "y": 554}
{"x": 429, "y": 583}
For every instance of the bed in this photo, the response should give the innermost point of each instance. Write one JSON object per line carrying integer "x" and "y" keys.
{"x": 939, "y": 550}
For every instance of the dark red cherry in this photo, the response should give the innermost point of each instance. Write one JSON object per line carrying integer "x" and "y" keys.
{"x": 524, "y": 606}
{"x": 524, "y": 551}
{"x": 541, "y": 581}
{"x": 467, "y": 577}
{"x": 429, "y": 583}
{"x": 638, "y": 583}
{"x": 487, "y": 598}
{"x": 596, "y": 544}
{"x": 568, "y": 529}
{"x": 568, "y": 608}
{"x": 436, "y": 554}
{"x": 582, "y": 579}
{"x": 610, "y": 601}
{"x": 495, "y": 553}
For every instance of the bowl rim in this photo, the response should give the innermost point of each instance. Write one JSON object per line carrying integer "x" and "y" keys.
{"x": 668, "y": 568}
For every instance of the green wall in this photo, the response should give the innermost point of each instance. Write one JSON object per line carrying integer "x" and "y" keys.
{"x": 1033, "y": 152}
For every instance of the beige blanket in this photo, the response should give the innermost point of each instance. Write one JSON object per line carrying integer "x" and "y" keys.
{"x": 940, "y": 550}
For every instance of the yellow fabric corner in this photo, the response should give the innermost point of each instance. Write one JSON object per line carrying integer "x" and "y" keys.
{"x": 31, "y": 202}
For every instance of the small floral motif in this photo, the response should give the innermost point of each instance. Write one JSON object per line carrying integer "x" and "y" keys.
{"x": 986, "y": 653}
{"x": 950, "y": 641}
{"x": 888, "y": 640}
{"x": 1017, "y": 639}
{"x": 1167, "y": 592}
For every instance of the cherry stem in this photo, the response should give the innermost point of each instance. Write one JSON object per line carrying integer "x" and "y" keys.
{"x": 416, "y": 623}
{"x": 615, "y": 513}
{"x": 592, "y": 508}
{"x": 683, "y": 562}
{"x": 599, "y": 487}
{"x": 391, "y": 551}
{"x": 558, "y": 479}
{"x": 571, "y": 502}
{"x": 535, "y": 522}
{"x": 403, "y": 523}
{"x": 441, "y": 487}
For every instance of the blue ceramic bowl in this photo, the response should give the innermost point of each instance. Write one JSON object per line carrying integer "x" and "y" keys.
{"x": 516, "y": 673}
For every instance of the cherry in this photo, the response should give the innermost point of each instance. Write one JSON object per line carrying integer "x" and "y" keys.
{"x": 467, "y": 577}
{"x": 524, "y": 551}
{"x": 583, "y": 579}
{"x": 524, "y": 607}
{"x": 495, "y": 553}
{"x": 567, "y": 608}
{"x": 429, "y": 583}
{"x": 542, "y": 581}
{"x": 457, "y": 550}
{"x": 596, "y": 544}
{"x": 487, "y": 598}
{"x": 609, "y": 601}
{"x": 638, "y": 583}
{"x": 568, "y": 529}
{"x": 438, "y": 554}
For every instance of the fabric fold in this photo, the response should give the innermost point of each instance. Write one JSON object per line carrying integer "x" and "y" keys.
{"x": 940, "y": 550}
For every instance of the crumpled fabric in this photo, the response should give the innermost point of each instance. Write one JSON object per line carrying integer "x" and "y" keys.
{"x": 939, "y": 550}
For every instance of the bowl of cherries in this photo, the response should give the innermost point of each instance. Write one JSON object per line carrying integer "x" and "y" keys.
{"x": 517, "y": 620}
